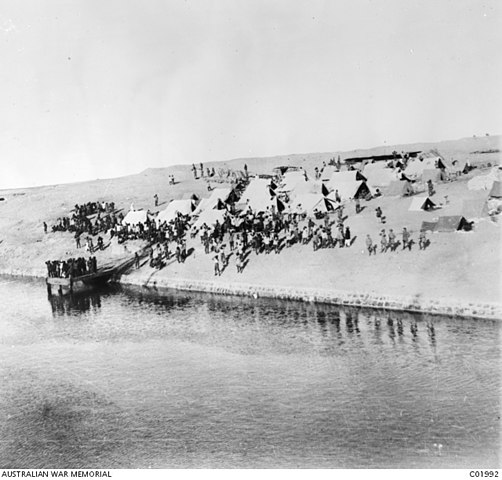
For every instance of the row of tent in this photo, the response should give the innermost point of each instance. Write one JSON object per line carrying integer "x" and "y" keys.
{"x": 295, "y": 194}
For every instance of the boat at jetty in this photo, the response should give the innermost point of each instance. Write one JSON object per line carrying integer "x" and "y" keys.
{"x": 103, "y": 275}
{"x": 63, "y": 286}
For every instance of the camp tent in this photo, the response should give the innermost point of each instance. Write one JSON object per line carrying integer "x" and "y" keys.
{"x": 262, "y": 205}
{"x": 452, "y": 223}
{"x": 210, "y": 217}
{"x": 484, "y": 182}
{"x": 184, "y": 207}
{"x": 459, "y": 166}
{"x": 433, "y": 159}
{"x": 291, "y": 180}
{"x": 327, "y": 172}
{"x": 421, "y": 203}
{"x": 399, "y": 188}
{"x": 432, "y": 174}
{"x": 346, "y": 176}
{"x": 218, "y": 196}
{"x": 135, "y": 217}
{"x": 310, "y": 202}
{"x": 258, "y": 196}
{"x": 379, "y": 177}
{"x": 428, "y": 226}
{"x": 496, "y": 190}
{"x": 475, "y": 207}
{"x": 416, "y": 168}
{"x": 349, "y": 190}
{"x": 190, "y": 196}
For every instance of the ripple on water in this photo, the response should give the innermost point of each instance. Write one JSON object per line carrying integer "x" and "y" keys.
{"x": 126, "y": 378}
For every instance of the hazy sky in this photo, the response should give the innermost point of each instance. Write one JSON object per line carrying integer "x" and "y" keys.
{"x": 101, "y": 88}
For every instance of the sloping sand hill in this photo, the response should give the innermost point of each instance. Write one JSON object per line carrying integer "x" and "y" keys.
{"x": 458, "y": 265}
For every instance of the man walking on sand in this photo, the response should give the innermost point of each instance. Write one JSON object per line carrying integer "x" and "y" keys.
{"x": 369, "y": 245}
{"x": 392, "y": 239}
{"x": 383, "y": 241}
{"x": 406, "y": 239}
{"x": 422, "y": 240}
{"x": 156, "y": 198}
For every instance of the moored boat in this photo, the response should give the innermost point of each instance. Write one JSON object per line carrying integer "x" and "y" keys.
{"x": 72, "y": 284}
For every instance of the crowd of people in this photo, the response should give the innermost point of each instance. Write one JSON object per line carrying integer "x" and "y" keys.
{"x": 104, "y": 218}
{"x": 153, "y": 232}
{"x": 72, "y": 267}
{"x": 240, "y": 234}
{"x": 269, "y": 232}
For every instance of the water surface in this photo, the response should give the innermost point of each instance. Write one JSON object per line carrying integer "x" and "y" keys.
{"x": 130, "y": 379}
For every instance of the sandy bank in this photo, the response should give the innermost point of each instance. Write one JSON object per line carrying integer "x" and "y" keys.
{"x": 459, "y": 274}
{"x": 387, "y": 302}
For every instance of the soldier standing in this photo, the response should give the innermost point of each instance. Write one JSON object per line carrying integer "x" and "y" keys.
{"x": 406, "y": 239}
{"x": 383, "y": 241}
{"x": 369, "y": 245}
{"x": 392, "y": 239}
{"x": 422, "y": 240}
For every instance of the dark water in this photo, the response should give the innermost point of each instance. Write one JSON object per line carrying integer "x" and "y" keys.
{"x": 129, "y": 379}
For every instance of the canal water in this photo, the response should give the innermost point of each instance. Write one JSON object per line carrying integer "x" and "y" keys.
{"x": 130, "y": 379}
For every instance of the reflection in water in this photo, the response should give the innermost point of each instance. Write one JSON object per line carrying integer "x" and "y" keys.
{"x": 325, "y": 319}
{"x": 73, "y": 304}
{"x": 193, "y": 380}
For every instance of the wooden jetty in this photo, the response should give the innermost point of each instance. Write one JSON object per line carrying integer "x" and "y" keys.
{"x": 63, "y": 286}
{"x": 107, "y": 273}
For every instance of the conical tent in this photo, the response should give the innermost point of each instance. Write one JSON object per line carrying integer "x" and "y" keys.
{"x": 310, "y": 202}
{"x": 349, "y": 190}
{"x": 258, "y": 196}
{"x": 135, "y": 217}
{"x": 217, "y": 195}
{"x": 399, "y": 188}
{"x": 210, "y": 217}
{"x": 421, "y": 203}
{"x": 183, "y": 207}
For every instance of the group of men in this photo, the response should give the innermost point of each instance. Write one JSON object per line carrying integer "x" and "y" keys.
{"x": 152, "y": 231}
{"x": 161, "y": 253}
{"x": 80, "y": 221}
{"x": 389, "y": 241}
{"x": 210, "y": 172}
{"x": 72, "y": 267}
{"x": 268, "y": 232}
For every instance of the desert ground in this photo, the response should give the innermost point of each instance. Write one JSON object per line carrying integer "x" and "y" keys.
{"x": 457, "y": 266}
